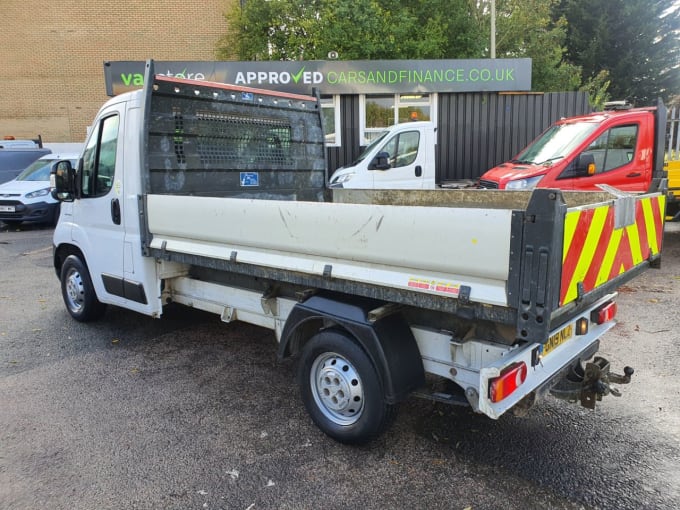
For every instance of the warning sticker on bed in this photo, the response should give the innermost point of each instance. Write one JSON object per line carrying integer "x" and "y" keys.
{"x": 449, "y": 288}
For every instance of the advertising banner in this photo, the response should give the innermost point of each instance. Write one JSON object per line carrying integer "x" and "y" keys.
{"x": 338, "y": 77}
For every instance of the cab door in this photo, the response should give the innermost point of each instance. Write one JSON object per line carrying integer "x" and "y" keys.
{"x": 617, "y": 157}
{"x": 97, "y": 213}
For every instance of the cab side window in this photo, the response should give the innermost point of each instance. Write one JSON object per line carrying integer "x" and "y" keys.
{"x": 613, "y": 148}
{"x": 402, "y": 149}
{"x": 99, "y": 158}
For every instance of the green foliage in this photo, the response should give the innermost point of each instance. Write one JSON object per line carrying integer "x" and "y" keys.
{"x": 364, "y": 30}
{"x": 636, "y": 41}
{"x": 378, "y": 116}
{"x": 401, "y": 29}
{"x": 458, "y": 23}
{"x": 597, "y": 89}
{"x": 269, "y": 30}
{"x": 525, "y": 28}
{"x": 356, "y": 29}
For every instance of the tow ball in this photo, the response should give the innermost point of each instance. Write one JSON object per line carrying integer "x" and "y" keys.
{"x": 589, "y": 385}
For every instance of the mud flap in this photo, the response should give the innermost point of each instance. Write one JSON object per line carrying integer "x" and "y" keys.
{"x": 588, "y": 385}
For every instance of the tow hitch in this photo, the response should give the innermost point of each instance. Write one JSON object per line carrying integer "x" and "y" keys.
{"x": 589, "y": 385}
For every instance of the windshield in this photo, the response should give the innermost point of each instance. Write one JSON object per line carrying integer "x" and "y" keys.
{"x": 369, "y": 148}
{"x": 555, "y": 143}
{"x": 39, "y": 170}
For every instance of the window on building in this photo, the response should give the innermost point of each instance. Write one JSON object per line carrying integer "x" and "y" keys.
{"x": 330, "y": 111}
{"x": 382, "y": 111}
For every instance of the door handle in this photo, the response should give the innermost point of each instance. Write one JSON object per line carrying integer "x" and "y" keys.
{"x": 634, "y": 174}
{"x": 115, "y": 211}
{"x": 419, "y": 171}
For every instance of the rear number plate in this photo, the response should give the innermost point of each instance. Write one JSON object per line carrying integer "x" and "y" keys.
{"x": 6, "y": 208}
{"x": 558, "y": 339}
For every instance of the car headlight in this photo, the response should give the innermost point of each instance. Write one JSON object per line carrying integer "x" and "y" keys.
{"x": 40, "y": 193}
{"x": 342, "y": 178}
{"x": 529, "y": 183}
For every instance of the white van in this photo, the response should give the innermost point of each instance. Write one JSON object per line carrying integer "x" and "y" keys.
{"x": 402, "y": 157}
{"x": 28, "y": 198}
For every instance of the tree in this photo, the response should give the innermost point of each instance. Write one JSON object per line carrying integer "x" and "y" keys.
{"x": 269, "y": 30}
{"x": 460, "y": 24}
{"x": 526, "y": 28}
{"x": 356, "y": 29}
{"x": 597, "y": 89}
{"x": 636, "y": 41}
{"x": 400, "y": 29}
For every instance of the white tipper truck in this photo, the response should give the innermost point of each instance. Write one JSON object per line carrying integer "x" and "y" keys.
{"x": 215, "y": 197}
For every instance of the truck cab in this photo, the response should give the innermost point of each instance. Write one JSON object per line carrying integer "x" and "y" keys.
{"x": 615, "y": 148}
{"x": 99, "y": 222}
{"x": 402, "y": 157}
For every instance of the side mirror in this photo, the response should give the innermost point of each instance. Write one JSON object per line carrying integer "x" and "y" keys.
{"x": 582, "y": 166}
{"x": 381, "y": 161}
{"x": 585, "y": 165}
{"x": 62, "y": 181}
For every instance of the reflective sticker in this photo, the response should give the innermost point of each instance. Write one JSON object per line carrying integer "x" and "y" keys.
{"x": 595, "y": 251}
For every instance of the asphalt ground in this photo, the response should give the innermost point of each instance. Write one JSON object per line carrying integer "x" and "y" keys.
{"x": 186, "y": 412}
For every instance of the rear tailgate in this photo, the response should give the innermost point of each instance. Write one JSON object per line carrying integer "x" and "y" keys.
{"x": 576, "y": 248}
{"x": 573, "y": 260}
{"x": 603, "y": 242}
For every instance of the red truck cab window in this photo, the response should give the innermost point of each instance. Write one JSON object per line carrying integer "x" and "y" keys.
{"x": 613, "y": 148}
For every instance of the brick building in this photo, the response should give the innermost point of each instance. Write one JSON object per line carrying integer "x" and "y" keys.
{"x": 52, "y": 54}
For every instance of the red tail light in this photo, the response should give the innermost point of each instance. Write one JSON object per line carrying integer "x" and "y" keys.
{"x": 605, "y": 313}
{"x": 505, "y": 384}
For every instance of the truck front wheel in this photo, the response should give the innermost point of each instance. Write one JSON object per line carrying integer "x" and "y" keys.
{"x": 341, "y": 390}
{"x": 78, "y": 292}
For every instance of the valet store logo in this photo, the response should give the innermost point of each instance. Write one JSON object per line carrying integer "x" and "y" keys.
{"x": 137, "y": 79}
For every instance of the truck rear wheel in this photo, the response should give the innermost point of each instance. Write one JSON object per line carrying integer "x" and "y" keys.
{"x": 78, "y": 292}
{"x": 341, "y": 389}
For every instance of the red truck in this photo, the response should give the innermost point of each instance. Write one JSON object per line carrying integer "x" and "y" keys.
{"x": 622, "y": 147}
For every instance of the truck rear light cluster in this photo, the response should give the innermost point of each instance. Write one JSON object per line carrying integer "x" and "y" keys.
{"x": 505, "y": 384}
{"x": 605, "y": 313}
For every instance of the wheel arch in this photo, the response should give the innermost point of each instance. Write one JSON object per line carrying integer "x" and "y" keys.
{"x": 388, "y": 342}
{"x": 61, "y": 252}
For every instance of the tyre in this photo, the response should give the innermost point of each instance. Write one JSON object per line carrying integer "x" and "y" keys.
{"x": 341, "y": 389}
{"x": 78, "y": 292}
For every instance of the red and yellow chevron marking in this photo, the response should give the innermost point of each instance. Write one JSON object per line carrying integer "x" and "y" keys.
{"x": 595, "y": 252}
